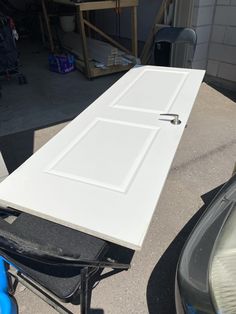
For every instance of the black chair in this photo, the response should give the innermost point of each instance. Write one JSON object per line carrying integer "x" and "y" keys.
{"x": 174, "y": 35}
{"x": 53, "y": 261}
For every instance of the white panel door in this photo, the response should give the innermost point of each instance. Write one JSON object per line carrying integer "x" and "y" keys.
{"x": 104, "y": 172}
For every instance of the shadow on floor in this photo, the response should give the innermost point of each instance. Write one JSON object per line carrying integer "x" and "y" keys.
{"x": 16, "y": 148}
{"x": 49, "y": 97}
{"x": 161, "y": 285}
{"x": 226, "y": 92}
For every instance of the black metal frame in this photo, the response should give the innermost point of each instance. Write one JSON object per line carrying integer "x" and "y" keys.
{"x": 50, "y": 299}
{"x": 89, "y": 268}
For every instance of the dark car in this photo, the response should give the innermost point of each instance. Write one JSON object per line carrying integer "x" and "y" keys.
{"x": 206, "y": 272}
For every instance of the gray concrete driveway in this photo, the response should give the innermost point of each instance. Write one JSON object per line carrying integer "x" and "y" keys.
{"x": 204, "y": 160}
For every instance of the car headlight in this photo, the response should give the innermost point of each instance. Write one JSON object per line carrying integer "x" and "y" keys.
{"x": 222, "y": 273}
{"x": 206, "y": 272}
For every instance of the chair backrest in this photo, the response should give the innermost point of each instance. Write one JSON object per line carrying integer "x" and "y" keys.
{"x": 178, "y": 35}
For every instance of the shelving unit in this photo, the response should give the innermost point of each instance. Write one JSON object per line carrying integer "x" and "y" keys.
{"x": 82, "y": 8}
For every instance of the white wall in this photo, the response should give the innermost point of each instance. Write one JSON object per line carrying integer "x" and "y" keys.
{"x": 203, "y": 17}
{"x": 215, "y": 23}
{"x": 222, "y": 49}
{"x": 147, "y": 10}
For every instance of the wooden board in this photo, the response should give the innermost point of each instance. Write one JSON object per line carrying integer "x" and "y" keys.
{"x": 103, "y": 174}
{"x": 99, "y": 5}
{"x": 96, "y": 72}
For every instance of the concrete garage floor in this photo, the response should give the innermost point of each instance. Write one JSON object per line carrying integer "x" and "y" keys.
{"x": 204, "y": 160}
{"x": 49, "y": 97}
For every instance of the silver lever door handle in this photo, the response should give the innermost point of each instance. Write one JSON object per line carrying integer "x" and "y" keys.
{"x": 174, "y": 121}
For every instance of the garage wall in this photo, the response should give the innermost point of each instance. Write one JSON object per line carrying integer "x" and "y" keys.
{"x": 222, "y": 48}
{"x": 182, "y": 18}
{"x": 203, "y": 17}
{"x": 215, "y": 23}
{"x": 147, "y": 10}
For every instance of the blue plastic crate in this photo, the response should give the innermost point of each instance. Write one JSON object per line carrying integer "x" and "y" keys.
{"x": 61, "y": 63}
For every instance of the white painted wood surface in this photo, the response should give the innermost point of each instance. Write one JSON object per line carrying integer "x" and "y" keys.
{"x": 104, "y": 172}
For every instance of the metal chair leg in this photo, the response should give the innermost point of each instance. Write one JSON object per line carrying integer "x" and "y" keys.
{"x": 84, "y": 300}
